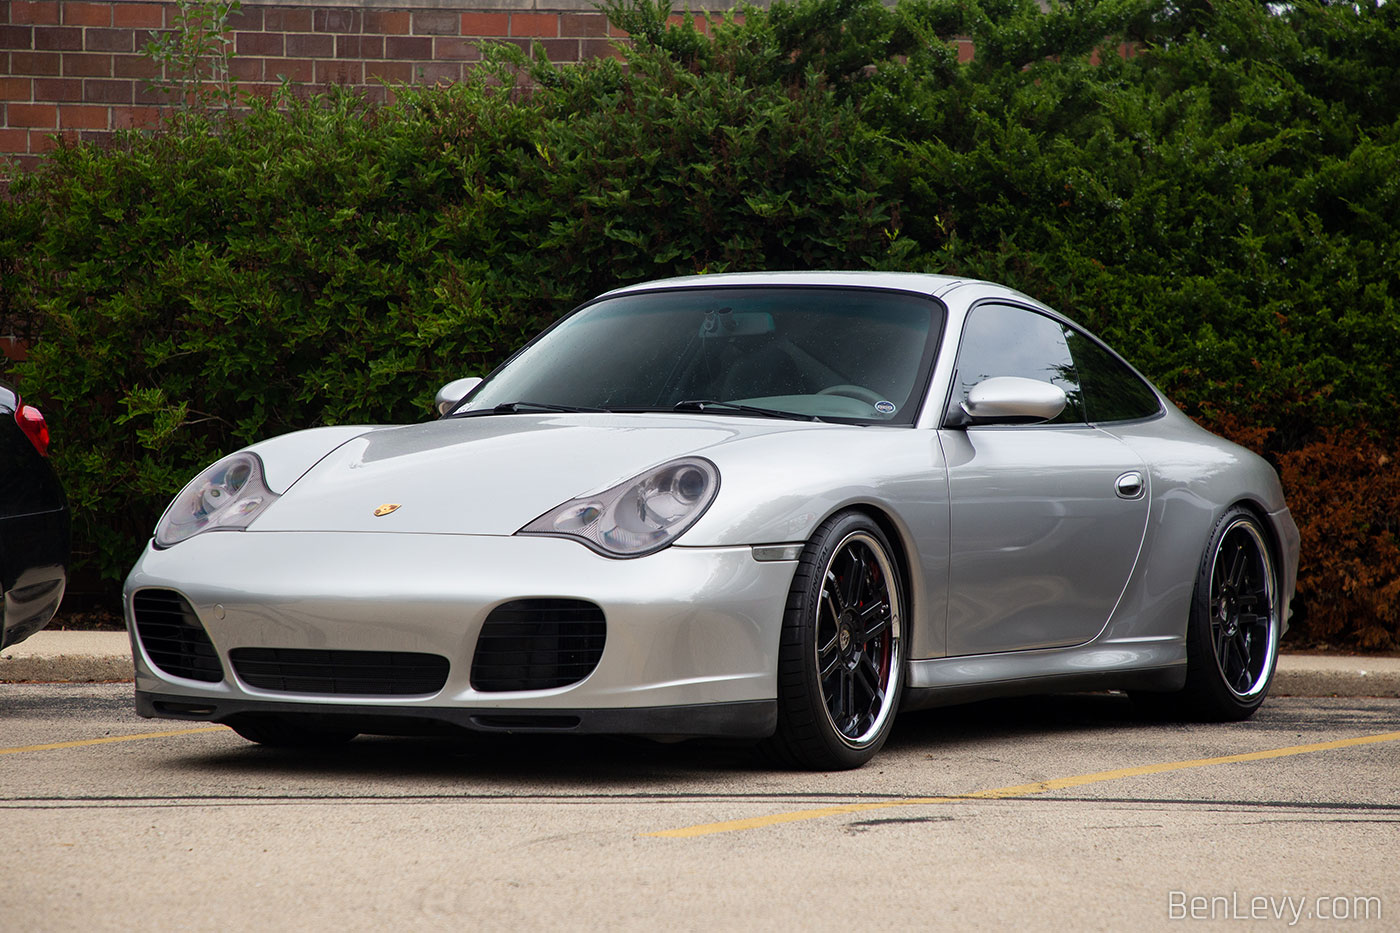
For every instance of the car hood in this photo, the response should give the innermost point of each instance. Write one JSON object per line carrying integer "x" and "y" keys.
{"x": 491, "y": 475}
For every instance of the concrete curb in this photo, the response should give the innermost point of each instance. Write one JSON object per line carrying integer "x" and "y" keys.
{"x": 68, "y": 657}
{"x": 95, "y": 657}
{"x": 1313, "y": 675}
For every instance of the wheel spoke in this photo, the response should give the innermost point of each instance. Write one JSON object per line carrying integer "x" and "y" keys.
{"x": 1244, "y": 649}
{"x": 860, "y": 675}
{"x": 1231, "y": 655}
{"x": 831, "y": 606}
{"x": 865, "y": 707}
{"x": 873, "y": 674}
{"x": 831, "y": 592}
{"x": 875, "y": 618}
{"x": 857, "y": 578}
{"x": 1238, "y": 563}
{"x": 1246, "y": 677}
{"x": 1222, "y": 645}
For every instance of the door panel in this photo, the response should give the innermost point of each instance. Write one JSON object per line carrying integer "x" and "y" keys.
{"x": 1042, "y": 540}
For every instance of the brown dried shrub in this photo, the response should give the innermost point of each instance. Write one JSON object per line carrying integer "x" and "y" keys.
{"x": 1344, "y": 492}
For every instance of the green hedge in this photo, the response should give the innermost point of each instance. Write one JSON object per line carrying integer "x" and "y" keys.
{"x": 1221, "y": 202}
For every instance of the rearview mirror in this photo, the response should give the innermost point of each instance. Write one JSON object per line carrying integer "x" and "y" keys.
{"x": 726, "y": 322}
{"x": 1013, "y": 400}
{"x": 450, "y": 394}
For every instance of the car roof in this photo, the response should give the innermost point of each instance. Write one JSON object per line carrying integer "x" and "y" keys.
{"x": 934, "y": 285}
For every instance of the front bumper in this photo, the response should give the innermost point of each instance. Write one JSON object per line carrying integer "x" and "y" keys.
{"x": 691, "y": 633}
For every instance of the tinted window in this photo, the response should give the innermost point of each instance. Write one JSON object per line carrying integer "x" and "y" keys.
{"x": 1112, "y": 391}
{"x": 1000, "y": 340}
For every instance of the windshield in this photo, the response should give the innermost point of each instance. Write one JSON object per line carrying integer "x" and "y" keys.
{"x": 858, "y": 354}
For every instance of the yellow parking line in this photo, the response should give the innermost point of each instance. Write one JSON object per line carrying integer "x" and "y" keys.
{"x": 109, "y": 738}
{"x": 1019, "y": 790}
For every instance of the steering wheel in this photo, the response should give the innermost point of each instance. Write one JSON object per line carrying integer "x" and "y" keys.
{"x": 860, "y": 393}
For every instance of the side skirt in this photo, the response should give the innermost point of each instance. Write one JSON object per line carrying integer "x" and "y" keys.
{"x": 1149, "y": 664}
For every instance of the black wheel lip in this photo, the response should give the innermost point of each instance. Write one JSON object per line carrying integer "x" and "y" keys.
{"x": 875, "y": 733}
{"x": 1261, "y": 680}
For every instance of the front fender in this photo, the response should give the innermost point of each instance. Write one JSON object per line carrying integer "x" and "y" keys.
{"x": 778, "y": 488}
{"x": 286, "y": 458}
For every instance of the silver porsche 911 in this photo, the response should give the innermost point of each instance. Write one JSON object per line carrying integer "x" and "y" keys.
{"x": 779, "y": 506}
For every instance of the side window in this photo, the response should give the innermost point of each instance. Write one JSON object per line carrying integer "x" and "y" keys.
{"x": 1112, "y": 391}
{"x": 1000, "y": 340}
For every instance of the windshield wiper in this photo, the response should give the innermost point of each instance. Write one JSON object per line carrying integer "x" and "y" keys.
{"x": 705, "y": 404}
{"x": 510, "y": 408}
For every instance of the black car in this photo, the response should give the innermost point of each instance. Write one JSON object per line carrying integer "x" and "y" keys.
{"x": 33, "y": 522}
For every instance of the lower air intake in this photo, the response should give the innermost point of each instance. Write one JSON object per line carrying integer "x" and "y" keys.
{"x": 172, "y": 636}
{"x": 538, "y": 644}
{"x": 349, "y": 673}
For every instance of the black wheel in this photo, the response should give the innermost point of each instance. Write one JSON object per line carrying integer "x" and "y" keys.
{"x": 285, "y": 732}
{"x": 841, "y": 659}
{"x": 1236, "y": 619}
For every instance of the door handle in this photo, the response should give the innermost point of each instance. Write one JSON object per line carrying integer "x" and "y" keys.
{"x": 1129, "y": 485}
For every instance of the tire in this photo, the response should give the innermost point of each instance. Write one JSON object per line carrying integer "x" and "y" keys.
{"x": 841, "y": 657}
{"x": 284, "y": 732}
{"x": 1233, "y": 631}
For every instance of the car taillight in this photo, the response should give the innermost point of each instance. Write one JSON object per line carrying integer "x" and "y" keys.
{"x": 31, "y": 422}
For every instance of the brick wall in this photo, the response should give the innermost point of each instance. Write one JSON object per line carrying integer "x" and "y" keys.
{"x": 71, "y": 68}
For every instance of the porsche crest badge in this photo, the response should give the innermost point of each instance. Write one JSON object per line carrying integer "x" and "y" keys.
{"x": 385, "y": 509}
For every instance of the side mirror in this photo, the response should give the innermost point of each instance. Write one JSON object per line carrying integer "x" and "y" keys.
{"x": 452, "y": 393}
{"x": 1012, "y": 400}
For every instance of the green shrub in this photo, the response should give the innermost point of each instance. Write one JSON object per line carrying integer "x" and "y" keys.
{"x": 332, "y": 262}
{"x": 1215, "y": 188}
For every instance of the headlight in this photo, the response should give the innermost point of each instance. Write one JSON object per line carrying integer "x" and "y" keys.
{"x": 225, "y": 497}
{"x": 637, "y": 517}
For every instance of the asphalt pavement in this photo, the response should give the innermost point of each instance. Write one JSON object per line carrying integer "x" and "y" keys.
{"x": 104, "y": 657}
{"x": 1045, "y": 813}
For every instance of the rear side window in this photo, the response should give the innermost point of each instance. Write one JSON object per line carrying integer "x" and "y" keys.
{"x": 1112, "y": 391}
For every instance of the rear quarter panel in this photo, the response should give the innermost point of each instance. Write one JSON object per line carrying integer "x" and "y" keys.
{"x": 1195, "y": 477}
